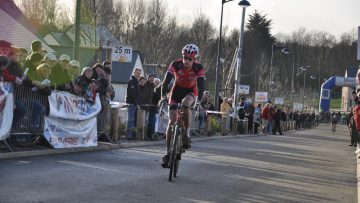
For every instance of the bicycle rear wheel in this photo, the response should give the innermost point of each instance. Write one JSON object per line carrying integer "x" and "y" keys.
{"x": 173, "y": 150}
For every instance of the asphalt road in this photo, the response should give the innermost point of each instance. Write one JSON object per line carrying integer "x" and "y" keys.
{"x": 302, "y": 166}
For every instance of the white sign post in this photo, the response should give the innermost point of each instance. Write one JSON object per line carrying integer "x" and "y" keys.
{"x": 121, "y": 54}
{"x": 298, "y": 107}
{"x": 261, "y": 97}
{"x": 244, "y": 89}
{"x": 279, "y": 101}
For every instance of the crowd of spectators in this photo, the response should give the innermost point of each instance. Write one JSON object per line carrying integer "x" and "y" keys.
{"x": 41, "y": 72}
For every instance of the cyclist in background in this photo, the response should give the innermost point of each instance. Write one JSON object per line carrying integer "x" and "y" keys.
{"x": 188, "y": 88}
{"x": 334, "y": 121}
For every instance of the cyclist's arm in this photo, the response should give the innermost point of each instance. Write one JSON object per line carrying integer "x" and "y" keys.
{"x": 166, "y": 82}
{"x": 200, "y": 84}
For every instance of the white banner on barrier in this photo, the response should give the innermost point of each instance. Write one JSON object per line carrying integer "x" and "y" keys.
{"x": 68, "y": 106}
{"x": 6, "y": 109}
{"x": 63, "y": 133}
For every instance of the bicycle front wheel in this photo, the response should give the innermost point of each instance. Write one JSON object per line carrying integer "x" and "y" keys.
{"x": 178, "y": 155}
{"x": 173, "y": 150}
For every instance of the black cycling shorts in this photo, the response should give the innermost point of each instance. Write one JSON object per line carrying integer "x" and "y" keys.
{"x": 178, "y": 94}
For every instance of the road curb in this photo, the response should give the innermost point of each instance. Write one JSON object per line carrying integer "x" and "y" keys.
{"x": 101, "y": 147}
{"x": 108, "y": 146}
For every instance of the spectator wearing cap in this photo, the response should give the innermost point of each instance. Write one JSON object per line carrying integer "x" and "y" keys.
{"x": 50, "y": 59}
{"x": 33, "y": 61}
{"x": 74, "y": 69}
{"x": 36, "y": 46}
{"x": 59, "y": 72}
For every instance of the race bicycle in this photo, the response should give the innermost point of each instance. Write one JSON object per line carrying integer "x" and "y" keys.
{"x": 333, "y": 127}
{"x": 176, "y": 143}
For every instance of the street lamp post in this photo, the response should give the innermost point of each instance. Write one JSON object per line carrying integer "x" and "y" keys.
{"x": 243, "y": 4}
{"x": 217, "y": 77}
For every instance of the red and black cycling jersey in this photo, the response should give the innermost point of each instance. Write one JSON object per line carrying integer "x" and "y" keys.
{"x": 186, "y": 77}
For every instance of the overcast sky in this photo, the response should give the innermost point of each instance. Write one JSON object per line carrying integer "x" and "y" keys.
{"x": 333, "y": 16}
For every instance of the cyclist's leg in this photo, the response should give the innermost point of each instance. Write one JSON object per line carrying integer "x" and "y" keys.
{"x": 187, "y": 102}
{"x": 172, "y": 119}
{"x": 166, "y": 158}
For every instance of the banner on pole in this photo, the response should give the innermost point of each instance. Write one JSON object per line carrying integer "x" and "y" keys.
{"x": 261, "y": 97}
{"x": 298, "y": 107}
{"x": 279, "y": 101}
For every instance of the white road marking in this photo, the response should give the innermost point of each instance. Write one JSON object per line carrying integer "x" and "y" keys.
{"x": 89, "y": 166}
{"x": 23, "y": 162}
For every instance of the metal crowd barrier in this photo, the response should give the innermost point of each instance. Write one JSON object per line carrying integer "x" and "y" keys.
{"x": 24, "y": 131}
{"x": 26, "y": 96}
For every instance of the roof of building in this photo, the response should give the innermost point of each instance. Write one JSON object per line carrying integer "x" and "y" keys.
{"x": 15, "y": 28}
{"x": 61, "y": 38}
{"x": 87, "y": 37}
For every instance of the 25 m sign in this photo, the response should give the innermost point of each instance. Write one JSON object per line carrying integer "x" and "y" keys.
{"x": 121, "y": 54}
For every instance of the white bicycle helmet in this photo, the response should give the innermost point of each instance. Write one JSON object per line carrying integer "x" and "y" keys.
{"x": 190, "y": 50}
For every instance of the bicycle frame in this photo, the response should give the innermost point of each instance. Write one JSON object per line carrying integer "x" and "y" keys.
{"x": 176, "y": 143}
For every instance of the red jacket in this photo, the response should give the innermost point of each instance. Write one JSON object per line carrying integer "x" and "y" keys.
{"x": 357, "y": 117}
{"x": 7, "y": 76}
{"x": 265, "y": 113}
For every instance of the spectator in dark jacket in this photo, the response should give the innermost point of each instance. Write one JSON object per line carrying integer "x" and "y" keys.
{"x": 249, "y": 113}
{"x": 146, "y": 92}
{"x": 154, "y": 110}
{"x": 15, "y": 69}
{"x": 276, "y": 115}
{"x": 132, "y": 99}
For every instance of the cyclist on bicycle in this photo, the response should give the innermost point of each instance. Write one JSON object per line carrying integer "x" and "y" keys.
{"x": 188, "y": 88}
{"x": 334, "y": 121}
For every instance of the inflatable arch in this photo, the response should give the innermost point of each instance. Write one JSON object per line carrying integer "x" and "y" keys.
{"x": 328, "y": 85}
